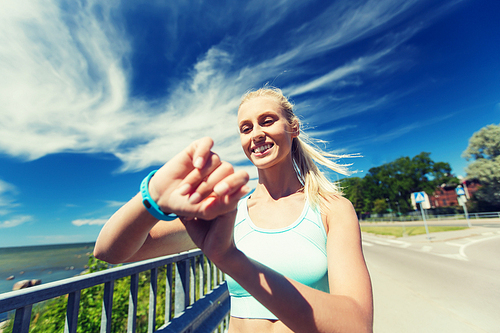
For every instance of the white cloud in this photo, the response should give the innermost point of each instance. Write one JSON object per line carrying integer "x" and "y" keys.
{"x": 64, "y": 80}
{"x": 81, "y": 222}
{"x": 112, "y": 203}
{"x": 8, "y": 204}
{"x": 15, "y": 221}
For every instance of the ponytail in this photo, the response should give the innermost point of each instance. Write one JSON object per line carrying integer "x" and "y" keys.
{"x": 305, "y": 155}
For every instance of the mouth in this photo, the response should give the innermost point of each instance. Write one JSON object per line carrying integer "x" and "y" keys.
{"x": 260, "y": 150}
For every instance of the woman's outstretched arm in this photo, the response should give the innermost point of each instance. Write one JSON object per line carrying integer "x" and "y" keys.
{"x": 194, "y": 183}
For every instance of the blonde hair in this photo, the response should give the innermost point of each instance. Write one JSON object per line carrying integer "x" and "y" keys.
{"x": 305, "y": 153}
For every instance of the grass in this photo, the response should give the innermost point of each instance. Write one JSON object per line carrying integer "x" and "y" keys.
{"x": 409, "y": 231}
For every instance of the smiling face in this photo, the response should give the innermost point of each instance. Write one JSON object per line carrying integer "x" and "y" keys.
{"x": 266, "y": 136}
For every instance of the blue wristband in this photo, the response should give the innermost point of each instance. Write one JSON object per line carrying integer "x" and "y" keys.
{"x": 151, "y": 206}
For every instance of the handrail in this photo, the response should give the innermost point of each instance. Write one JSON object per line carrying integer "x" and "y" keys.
{"x": 185, "y": 296}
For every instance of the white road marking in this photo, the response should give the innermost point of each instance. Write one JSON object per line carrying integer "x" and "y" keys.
{"x": 463, "y": 247}
{"x": 426, "y": 248}
{"x": 453, "y": 244}
{"x": 453, "y": 256}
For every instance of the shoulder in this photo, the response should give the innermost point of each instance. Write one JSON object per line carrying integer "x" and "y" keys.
{"x": 339, "y": 212}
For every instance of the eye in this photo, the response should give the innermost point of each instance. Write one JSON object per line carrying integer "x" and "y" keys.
{"x": 245, "y": 129}
{"x": 268, "y": 121}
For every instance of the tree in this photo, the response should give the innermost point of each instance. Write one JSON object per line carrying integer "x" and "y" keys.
{"x": 353, "y": 190}
{"x": 392, "y": 183}
{"x": 484, "y": 149}
{"x": 380, "y": 206}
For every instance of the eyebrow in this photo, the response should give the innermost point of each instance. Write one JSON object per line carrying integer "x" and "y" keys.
{"x": 263, "y": 114}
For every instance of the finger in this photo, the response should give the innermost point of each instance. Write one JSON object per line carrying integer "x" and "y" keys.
{"x": 215, "y": 206}
{"x": 205, "y": 188}
{"x": 233, "y": 199}
{"x": 197, "y": 176}
{"x": 231, "y": 183}
{"x": 201, "y": 152}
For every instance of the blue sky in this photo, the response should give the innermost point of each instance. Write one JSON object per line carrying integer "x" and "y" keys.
{"x": 94, "y": 95}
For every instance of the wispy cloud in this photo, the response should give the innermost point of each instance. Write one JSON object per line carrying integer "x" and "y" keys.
{"x": 81, "y": 222}
{"x": 8, "y": 204}
{"x": 403, "y": 130}
{"x": 65, "y": 77}
{"x": 15, "y": 221}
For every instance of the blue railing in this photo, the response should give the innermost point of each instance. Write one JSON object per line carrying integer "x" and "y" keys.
{"x": 200, "y": 302}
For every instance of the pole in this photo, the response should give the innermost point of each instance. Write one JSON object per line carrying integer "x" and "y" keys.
{"x": 390, "y": 209}
{"x": 463, "y": 202}
{"x": 425, "y": 221}
{"x": 467, "y": 215}
{"x": 402, "y": 223}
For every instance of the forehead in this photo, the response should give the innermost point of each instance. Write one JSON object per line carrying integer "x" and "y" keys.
{"x": 257, "y": 106}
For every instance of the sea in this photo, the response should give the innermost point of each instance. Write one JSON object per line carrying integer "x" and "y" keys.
{"x": 45, "y": 262}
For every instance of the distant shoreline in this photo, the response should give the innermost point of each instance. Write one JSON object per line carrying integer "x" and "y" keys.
{"x": 62, "y": 245}
{"x": 48, "y": 263}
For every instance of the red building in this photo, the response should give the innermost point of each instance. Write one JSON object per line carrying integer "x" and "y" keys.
{"x": 445, "y": 195}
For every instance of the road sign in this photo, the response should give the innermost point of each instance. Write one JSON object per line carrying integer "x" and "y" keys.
{"x": 419, "y": 197}
{"x": 460, "y": 191}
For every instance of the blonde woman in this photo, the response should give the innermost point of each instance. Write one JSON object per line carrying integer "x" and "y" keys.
{"x": 291, "y": 251}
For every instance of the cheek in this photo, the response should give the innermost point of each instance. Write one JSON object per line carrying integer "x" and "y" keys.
{"x": 244, "y": 142}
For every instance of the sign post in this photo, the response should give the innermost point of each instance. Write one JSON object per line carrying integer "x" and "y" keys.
{"x": 419, "y": 198}
{"x": 462, "y": 200}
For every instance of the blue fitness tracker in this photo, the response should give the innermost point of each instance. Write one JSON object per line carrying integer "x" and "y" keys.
{"x": 151, "y": 206}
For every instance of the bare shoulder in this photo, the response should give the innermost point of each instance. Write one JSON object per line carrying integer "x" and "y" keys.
{"x": 339, "y": 213}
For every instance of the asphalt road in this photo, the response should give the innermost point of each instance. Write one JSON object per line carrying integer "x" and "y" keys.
{"x": 449, "y": 283}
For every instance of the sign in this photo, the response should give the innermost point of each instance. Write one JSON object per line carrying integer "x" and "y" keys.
{"x": 460, "y": 191}
{"x": 419, "y": 197}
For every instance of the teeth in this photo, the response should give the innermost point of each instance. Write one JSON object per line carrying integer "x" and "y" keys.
{"x": 262, "y": 148}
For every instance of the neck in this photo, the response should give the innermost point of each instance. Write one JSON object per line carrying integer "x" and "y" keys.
{"x": 278, "y": 181}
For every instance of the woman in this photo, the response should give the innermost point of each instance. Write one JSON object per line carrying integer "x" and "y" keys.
{"x": 292, "y": 250}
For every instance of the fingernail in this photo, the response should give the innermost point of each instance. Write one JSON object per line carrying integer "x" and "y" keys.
{"x": 221, "y": 188}
{"x": 184, "y": 189}
{"x": 195, "y": 198}
{"x": 246, "y": 189}
{"x": 198, "y": 163}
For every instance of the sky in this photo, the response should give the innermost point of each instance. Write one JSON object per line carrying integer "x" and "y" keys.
{"x": 95, "y": 94}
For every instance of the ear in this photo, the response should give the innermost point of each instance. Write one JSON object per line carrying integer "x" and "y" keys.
{"x": 295, "y": 128}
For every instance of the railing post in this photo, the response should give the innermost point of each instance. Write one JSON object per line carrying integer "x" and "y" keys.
{"x": 22, "y": 319}
{"x": 192, "y": 280}
{"x": 209, "y": 276}
{"x": 168, "y": 294}
{"x": 132, "y": 303}
{"x": 72, "y": 312}
{"x": 181, "y": 286}
{"x": 201, "y": 276}
{"x": 107, "y": 306}
{"x": 153, "y": 287}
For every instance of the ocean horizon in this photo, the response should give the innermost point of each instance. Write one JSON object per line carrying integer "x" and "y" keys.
{"x": 48, "y": 263}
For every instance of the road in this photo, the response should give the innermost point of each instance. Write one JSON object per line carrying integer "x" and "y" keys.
{"x": 449, "y": 283}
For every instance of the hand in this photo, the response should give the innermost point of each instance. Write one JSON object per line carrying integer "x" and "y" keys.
{"x": 213, "y": 237}
{"x": 195, "y": 183}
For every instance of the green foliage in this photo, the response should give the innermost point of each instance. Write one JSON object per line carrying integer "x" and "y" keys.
{"x": 484, "y": 148}
{"x": 392, "y": 183}
{"x": 380, "y": 206}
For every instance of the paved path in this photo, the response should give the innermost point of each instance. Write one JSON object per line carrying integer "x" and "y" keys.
{"x": 448, "y": 283}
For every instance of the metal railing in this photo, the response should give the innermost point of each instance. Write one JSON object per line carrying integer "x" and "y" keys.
{"x": 439, "y": 217}
{"x": 196, "y": 300}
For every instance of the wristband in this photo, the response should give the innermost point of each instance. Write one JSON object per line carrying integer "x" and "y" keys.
{"x": 151, "y": 206}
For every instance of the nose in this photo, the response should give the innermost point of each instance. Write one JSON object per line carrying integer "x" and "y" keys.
{"x": 258, "y": 134}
